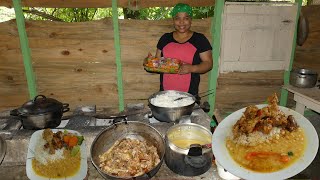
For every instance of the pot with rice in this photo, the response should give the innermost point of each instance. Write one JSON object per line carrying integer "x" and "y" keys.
{"x": 167, "y": 107}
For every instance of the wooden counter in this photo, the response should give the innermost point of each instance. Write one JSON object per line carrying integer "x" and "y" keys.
{"x": 305, "y": 97}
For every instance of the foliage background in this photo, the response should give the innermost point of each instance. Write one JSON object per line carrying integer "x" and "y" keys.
{"x": 88, "y": 14}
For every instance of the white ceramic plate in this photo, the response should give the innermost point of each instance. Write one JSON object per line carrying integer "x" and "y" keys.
{"x": 224, "y": 129}
{"x": 81, "y": 174}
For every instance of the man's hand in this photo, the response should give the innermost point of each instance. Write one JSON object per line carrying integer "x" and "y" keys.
{"x": 146, "y": 59}
{"x": 186, "y": 69}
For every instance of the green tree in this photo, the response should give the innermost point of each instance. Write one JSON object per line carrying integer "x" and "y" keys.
{"x": 88, "y": 14}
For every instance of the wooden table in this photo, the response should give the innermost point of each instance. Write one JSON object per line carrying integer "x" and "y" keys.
{"x": 305, "y": 97}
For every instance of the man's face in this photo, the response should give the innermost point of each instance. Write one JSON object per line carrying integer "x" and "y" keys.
{"x": 182, "y": 22}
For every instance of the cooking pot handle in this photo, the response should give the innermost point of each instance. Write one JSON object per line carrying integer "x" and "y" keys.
{"x": 143, "y": 177}
{"x": 14, "y": 112}
{"x": 65, "y": 107}
{"x": 43, "y": 96}
{"x": 119, "y": 119}
{"x": 301, "y": 76}
{"x": 195, "y": 150}
{"x": 196, "y": 161}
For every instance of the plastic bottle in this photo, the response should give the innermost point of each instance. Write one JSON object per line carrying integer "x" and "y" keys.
{"x": 213, "y": 124}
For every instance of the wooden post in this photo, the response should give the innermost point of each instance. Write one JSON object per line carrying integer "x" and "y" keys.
{"x": 216, "y": 24}
{"x": 118, "y": 53}
{"x": 25, "y": 50}
{"x": 286, "y": 76}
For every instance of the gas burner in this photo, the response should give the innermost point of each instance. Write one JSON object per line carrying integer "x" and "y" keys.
{"x": 151, "y": 119}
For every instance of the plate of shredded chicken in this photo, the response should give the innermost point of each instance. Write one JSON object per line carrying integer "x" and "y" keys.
{"x": 265, "y": 141}
{"x": 129, "y": 158}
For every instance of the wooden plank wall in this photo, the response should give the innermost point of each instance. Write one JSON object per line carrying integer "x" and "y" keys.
{"x": 75, "y": 63}
{"x": 308, "y": 55}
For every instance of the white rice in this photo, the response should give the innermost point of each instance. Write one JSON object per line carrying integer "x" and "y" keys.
{"x": 42, "y": 155}
{"x": 167, "y": 100}
{"x": 257, "y": 137}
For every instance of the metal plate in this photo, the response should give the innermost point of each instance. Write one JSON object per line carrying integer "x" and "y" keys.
{"x": 3, "y": 149}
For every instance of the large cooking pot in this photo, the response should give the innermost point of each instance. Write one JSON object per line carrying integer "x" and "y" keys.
{"x": 171, "y": 114}
{"x": 41, "y": 112}
{"x": 128, "y": 129}
{"x": 303, "y": 78}
{"x": 187, "y": 149}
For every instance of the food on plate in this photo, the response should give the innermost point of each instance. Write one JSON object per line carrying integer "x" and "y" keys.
{"x": 129, "y": 158}
{"x": 266, "y": 139}
{"x": 168, "y": 100}
{"x": 57, "y": 154}
{"x": 162, "y": 65}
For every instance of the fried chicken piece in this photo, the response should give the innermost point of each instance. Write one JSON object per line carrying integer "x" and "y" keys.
{"x": 57, "y": 142}
{"x": 47, "y": 135}
{"x": 264, "y": 119}
{"x": 250, "y": 125}
{"x": 292, "y": 124}
{"x": 273, "y": 99}
{"x": 264, "y": 126}
{"x": 251, "y": 112}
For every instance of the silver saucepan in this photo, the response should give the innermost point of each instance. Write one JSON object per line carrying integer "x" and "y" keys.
{"x": 188, "y": 149}
{"x": 303, "y": 78}
{"x": 127, "y": 129}
{"x": 171, "y": 114}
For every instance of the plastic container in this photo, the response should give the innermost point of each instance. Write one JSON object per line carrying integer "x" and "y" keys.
{"x": 162, "y": 65}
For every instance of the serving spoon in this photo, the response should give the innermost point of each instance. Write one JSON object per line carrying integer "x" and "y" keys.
{"x": 206, "y": 93}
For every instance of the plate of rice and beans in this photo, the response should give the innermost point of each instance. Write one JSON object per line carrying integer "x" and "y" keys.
{"x": 56, "y": 154}
{"x": 265, "y": 141}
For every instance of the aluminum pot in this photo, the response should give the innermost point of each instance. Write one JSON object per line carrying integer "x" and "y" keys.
{"x": 170, "y": 114}
{"x": 186, "y": 153}
{"x": 127, "y": 129}
{"x": 41, "y": 112}
{"x": 303, "y": 78}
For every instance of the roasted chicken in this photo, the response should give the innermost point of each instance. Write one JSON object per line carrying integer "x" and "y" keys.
{"x": 54, "y": 140}
{"x": 263, "y": 120}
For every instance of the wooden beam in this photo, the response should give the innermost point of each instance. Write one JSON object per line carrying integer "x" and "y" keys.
{"x": 137, "y": 4}
{"x": 216, "y": 34}
{"x": 117, "y": 47}
{"x": 24, "y": 44}
{"x": 286, "y": 76}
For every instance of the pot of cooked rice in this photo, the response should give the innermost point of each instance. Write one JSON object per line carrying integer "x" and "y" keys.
{"x": 128, "y": 150}
{"x": 171, "y": 105}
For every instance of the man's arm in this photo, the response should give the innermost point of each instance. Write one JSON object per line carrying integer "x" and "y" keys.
{"x": 203, "y": 67}
{"x": 158, "y": 53}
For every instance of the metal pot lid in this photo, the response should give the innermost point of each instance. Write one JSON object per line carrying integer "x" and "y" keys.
{"x": 305, "y": 71}
{"x": 3, "y": 149}
{"x": 40, "y": 104}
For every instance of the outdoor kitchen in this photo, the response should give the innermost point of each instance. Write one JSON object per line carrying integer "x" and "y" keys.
{"x": 81, "y": 100}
